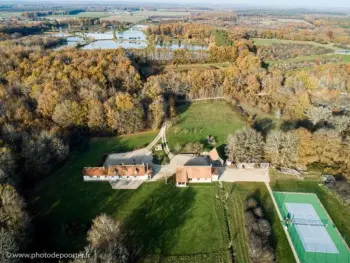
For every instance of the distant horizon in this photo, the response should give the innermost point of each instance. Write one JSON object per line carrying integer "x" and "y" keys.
{"x": 313, "y": 4}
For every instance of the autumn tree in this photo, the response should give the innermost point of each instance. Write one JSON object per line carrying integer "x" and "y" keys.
{"x": 157, "y": 112}
{"x": 69, "y": 113}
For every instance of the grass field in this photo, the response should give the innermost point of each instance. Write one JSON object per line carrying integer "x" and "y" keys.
{"x": 338, "y": 212}
{"x": 345, "y": 58}
{"x": 236, "y": 201}
{"x": 164, "y": 220}
{"x": 343, "y": 255}
{"x": 125, "y": 18}
{"x": 268, "y": 42}
{"x": 200, "y": 119}
{"x": 221, "y": 38}
{"x": 310, "y": 175}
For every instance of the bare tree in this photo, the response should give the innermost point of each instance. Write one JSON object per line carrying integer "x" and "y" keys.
{"x": 341, "y": 123}
{"x": 7, "y": 165}
{"x": 105, "y": 242}
{"x": 8, "y": 245}
{"x": 245, "y": 146}
{"x": 281, "y": 148}
{"x": 318, "y": 114}
{"x": 12, "y": 214}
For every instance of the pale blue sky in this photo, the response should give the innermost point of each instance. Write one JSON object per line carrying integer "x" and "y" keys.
{"x": 233, "y": 3}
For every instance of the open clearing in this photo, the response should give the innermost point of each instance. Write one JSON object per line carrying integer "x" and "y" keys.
{"x": 200, "y": 119}
{"x": 163, "y": 69}
{"x": 268, "y": 42}
{"x": 165, "y": 220}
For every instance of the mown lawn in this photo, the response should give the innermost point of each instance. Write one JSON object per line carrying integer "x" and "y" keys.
{"x": 158, "y": 219}
{"x": 239, "y": 193}
{"x": 339, "y": 213}
{"x": 200, "y": 119}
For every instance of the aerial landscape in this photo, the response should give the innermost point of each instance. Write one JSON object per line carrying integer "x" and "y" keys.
{"x": 174, "y": 131}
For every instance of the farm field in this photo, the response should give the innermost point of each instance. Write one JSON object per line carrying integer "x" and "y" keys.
{"x": 267, "y": 42}
{"x": 236, "y": 201}
{"x": 125, "y": 18}
{"x": 165, "y": 220}
{"x": 135, "y": 17}
{"x": 199, "y": 119}
{"x": 82, "y": 14}
{"x": 10, "y": 14}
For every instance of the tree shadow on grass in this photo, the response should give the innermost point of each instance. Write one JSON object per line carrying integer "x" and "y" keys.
{"x": 292, "y": 125}
{"x": 264, "y": 126}
{"x": 265, "y": 202}
{"x": 152, "y": 227}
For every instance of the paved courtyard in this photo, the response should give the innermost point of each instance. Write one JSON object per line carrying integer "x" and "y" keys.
{"x": 126, "y": 184}
{"x": 244, "y": 175}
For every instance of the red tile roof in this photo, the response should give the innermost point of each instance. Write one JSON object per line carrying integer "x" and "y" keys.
{"x": 118, "y": 170}
{"x": 94, "y": 171}
{"x": 192, "y": 172}
{"x": 213, "y": 154}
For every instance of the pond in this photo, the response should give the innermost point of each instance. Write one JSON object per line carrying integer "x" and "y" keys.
{"x": 112, "y": 44}
{"x": 130, "y": 34}
{"x": 131, "y": 38}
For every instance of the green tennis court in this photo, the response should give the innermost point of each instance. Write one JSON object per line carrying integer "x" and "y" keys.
{"x": 315, "y": 237}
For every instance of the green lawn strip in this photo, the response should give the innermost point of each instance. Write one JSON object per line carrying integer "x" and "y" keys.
{"x": 235, "y": 209}
{"x": 306, "y": 198}
{"x": 339, "y": 213}
{"x": 218, "y": 257}
{"x": 164, "y": 220}
{"x": 279, "y": 241}
{"x": 200, "y": 119}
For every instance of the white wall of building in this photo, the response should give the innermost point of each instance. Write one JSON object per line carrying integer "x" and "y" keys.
{"x": 114, "y": 178}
